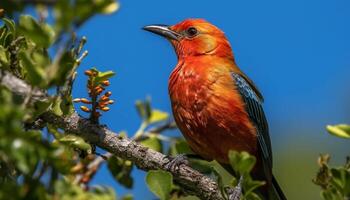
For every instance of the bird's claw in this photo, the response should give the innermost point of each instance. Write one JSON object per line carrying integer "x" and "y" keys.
{"x": 236, "y": 192}
{"x": 175, "y": 162}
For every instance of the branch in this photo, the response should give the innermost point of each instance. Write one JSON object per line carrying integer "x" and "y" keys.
{"x": 144, "y": 158}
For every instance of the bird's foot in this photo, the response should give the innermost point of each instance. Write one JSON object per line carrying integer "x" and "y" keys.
{"x": 236, "y": 192}
{"x": 175, "y": 162}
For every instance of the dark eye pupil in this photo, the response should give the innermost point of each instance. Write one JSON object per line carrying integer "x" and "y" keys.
{"x": 192, "y": 31}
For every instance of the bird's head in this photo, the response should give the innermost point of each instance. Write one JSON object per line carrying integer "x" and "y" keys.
{"x": 194, "y": 37}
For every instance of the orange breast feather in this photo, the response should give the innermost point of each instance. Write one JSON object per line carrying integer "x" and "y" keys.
{"x": 209, "y": 111}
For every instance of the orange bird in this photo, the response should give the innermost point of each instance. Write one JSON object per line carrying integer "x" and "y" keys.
{"x": 215, "y": 105}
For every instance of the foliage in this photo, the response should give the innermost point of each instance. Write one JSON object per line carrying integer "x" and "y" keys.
{"x": 242, "y": 163}
{"x": 37, "y": 160}
{"x": 334, "y": 181}
{"x": 160, "y": 183}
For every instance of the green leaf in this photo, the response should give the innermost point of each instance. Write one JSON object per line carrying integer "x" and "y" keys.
{"x": 102, "y": 76}
{"x": 41, "y": 34}
{"x": 62, "y": 158}
{"x": 60, "y": 69}
{"x": 110, "y": 8}
{"x": 127, "y": 197}
{"x": 6, "y": 34}
{"x": 75, "y": 142}
{"x": 153, "y": 143}
{"x": 3, "y": 56}
{"x": 341, "y": 130}
{"x": 252, "y": 196}
{"x": 187, "y": 198}
{"x": 62, "y": 105}
{"x": 160, "y": 183}
{"x": 242, "y": 163}
{"x": 35, "y": 74}
{"x": 121, "y": 170}
{"x": 66, "y": 105}
{"x": 56, "y": 106}
{"x": 180, "y": 147}
{"x": 10, "y": 24}
{"x": 202, "y": 166}
{"x": 144, "y": 109}
{"x": 341, "y": 180}
{"x": 41, "y": 58}
{"x": 158, "y": 116}
{"x": 63, "y": 14}
{"x": 40, "y": 107}
{"x": 251, "y": 185}
{"x": 66, "y": 190}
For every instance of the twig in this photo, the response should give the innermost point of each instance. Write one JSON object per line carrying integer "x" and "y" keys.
{"x": 91, "y": 169}
{"x": 167, "y": 126}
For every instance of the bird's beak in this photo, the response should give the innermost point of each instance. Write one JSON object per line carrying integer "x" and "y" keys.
{"x": 164, "y": 31}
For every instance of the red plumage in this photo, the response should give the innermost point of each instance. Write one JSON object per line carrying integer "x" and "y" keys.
{"x": 208, "y": 109}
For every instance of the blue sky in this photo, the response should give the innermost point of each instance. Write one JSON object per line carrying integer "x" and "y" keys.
{"x": 297, "y": 52}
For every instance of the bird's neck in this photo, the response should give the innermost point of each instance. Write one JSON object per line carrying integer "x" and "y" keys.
{"x": 221, "y": 51}
{"x": 204, "y": 61}
{"x": 198, "y": 67}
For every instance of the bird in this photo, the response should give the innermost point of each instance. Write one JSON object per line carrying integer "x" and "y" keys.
{"x": 215, "y": 105}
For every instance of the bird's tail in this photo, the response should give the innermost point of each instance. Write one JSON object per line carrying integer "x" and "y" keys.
{"x": 276, "y": 192}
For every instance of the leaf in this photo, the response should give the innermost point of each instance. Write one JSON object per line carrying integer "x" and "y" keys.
{"x": 121, "y": 170}
{"x": 10, "y": 24}
{"x": 219, "y": 180}
{"x": 158, "y": 116}
{"x": 75, "y": 142}
{"x": 66, "y": 105}
{"x": 63, "y": 158}
{"x": 41, "y": 34}
{"x": 63, "y": 14}
{"x": 144, "y": 109}
{"x": 251, "y": 185}
{"x": 341, "y": 180}
{"x": 58, "y": 71}
{"x": 127, "y": 197}
{"x": 241, "y": 163}
{"x": 40, "y": 107}
{"x": 252, "y": 196}
{"x": 160, "y": 183}
{"x": 102, "y": 76}
{"x": 41, "y": 58}
{"x": 56, "y": 106}
{"x": 187, "y": 198}
{"x": 35, "y": 74}
{"x": 153, "y": 143}
{"x": 19, "y": 155}
{"x": 3, "y": 56}
{"x": 110, "y": 8}
{"x": 341, "y": 130}
{"x": 67, "y": 190}
{"x": 180, "y": 147}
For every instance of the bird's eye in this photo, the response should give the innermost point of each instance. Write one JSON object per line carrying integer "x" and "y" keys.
{"x": 191, "y": 32}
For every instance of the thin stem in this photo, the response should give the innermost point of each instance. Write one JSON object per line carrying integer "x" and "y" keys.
{"x": 141, "y": 130}
{"x": 94, "y": 103}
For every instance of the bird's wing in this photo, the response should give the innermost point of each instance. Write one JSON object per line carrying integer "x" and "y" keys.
{"x": 256, "y": 113}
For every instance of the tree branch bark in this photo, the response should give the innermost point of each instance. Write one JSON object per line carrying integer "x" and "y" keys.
{"x": 144, "y": 158}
